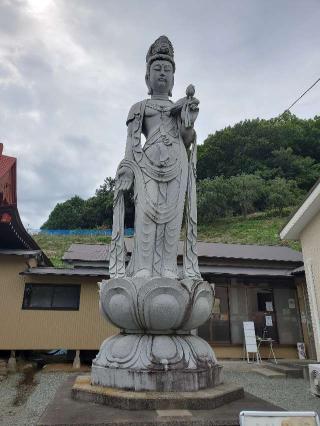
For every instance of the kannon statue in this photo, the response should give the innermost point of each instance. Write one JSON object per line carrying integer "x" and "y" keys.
{"x": 162, "y": 171}
{"x": 156, "y": 309}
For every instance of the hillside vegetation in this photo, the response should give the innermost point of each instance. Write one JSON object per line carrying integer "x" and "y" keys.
{"x": 254, "y": 166}
{"x": 259, "y": 228}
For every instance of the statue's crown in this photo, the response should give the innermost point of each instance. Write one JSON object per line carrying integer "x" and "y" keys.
{"x": 161, "y": 49}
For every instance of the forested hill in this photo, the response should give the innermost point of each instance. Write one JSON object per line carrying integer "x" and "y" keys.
{"x": 253, "y": 166}
{"x": 286, "y": 146}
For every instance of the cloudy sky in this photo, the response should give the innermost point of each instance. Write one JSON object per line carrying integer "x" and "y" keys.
{"x": 70, "y": 70}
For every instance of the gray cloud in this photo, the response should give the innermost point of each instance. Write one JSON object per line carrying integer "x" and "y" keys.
{"x": 69, "y": 71}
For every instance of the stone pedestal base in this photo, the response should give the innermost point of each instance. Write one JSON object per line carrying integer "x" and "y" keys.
{"x": 162, "y": 363}
{"x": 162, "y": 381}
{"x": 128, "y": 400}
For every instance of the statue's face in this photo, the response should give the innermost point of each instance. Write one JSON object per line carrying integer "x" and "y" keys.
{"x": 161, "y": 77}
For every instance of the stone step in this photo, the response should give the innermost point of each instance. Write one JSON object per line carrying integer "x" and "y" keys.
{"x": 288, "y": 371}
{"x": 267, "y": 372}
{"x": 302, "y": 364}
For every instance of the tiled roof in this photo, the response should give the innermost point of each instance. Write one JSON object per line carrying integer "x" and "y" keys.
{"x": 245, "y": 271}
{"x": 32, "y": 253}
{"x": 100, "y": 252}
{"x": 82, "y": 272}
{"x": 87, "y": 252}
{"x": 248, "y": 251}
{"x": 214, "y": 270}
{"x": 239, "y": 251}
{"x": 5, "y": 164}
{"x": 299, "y": 270}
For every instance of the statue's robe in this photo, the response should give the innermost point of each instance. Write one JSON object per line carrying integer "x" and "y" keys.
{"x": 164, "y": 178}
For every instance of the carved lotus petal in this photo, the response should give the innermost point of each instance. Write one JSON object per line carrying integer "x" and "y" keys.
{"x": 143, "y": 352}
{"x": 122, "y": 348}
{"x": 164, "y": 348}
{"x": 118, "y": 303}
{"x": 162, "y": 304}
{"x": 157, "y": 305}
{"x": 202, "y": 306}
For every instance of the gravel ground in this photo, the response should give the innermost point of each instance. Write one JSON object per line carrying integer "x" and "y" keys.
{"x": 35, "y": 397}
{"x": 290, "y": 394}
{"x": 24, "y": 403}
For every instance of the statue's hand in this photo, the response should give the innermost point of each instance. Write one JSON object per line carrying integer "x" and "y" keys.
{"x": 193, "y": 107}
{"x": 124, "y": 178}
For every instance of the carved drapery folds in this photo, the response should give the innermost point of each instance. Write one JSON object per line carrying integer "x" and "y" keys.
{"x": 184, "y": 170}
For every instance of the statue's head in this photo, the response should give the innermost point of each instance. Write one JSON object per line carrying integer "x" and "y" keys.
{"x": 160, "y": 67}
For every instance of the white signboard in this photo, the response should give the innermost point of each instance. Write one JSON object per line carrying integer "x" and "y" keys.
{"x": 301, "y": 350}
{"x": 250, "y": 337}
{"x": 269, "y": 307}
{"x": 268, "y": 320}
{"x": 279, "y": 418}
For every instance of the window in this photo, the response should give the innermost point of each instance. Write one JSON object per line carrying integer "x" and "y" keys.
{"x": 264, "y": 300}
{"x": 261, "y": 310}
{"x": 51, "y": 296}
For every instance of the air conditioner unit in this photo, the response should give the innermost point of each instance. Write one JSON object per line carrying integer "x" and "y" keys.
{"x": 314, "y": 374}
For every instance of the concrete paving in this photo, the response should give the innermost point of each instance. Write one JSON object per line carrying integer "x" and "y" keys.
{"x": 266, "y": 372}
{"x": 63, "y": 410}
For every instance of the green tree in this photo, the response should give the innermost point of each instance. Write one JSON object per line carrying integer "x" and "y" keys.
{"x": 246, "y": 191}
{"x": 214, "y": 198}
{"x": 286, "y": 164}
{"x": 67, "y": 215}
{"x": 285, "y": 146}
{"x": 98, "y": 209}
{"x": 283, "y": 193}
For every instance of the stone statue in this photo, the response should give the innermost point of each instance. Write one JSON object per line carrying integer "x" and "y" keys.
{"x": 155, "y": 308}
{"x": 163, "y": 173}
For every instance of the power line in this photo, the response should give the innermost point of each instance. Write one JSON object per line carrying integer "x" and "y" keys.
{"x": 304, "y": 93}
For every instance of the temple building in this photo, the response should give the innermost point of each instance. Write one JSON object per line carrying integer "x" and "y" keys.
{"x": 43, "y": 307}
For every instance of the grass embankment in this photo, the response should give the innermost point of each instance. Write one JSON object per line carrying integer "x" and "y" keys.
{"x": 55, "y": 246}
{"x": 259, "y": 228}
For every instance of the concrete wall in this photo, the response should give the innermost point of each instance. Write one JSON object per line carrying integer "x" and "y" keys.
{"x": 305, "y": 316}
{"x": 46, "y": 329}
{"x": 310, "y": 240}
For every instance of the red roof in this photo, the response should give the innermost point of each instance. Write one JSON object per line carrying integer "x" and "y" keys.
{"x": 6, "y": 163}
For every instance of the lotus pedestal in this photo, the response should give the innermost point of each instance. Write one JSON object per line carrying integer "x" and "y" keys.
{"x": 155, "y": 350}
